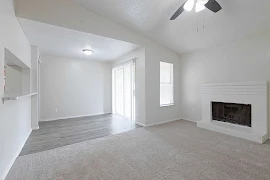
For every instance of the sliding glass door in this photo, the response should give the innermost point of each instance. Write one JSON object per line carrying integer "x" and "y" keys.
{"x": 124, "y": 90}
{"x": 119, "y": 91}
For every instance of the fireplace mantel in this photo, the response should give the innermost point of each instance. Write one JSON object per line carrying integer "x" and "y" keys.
{"x": 254, "y": 93}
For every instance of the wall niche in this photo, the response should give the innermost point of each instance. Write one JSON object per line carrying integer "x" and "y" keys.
{"x": 17, "y": 76}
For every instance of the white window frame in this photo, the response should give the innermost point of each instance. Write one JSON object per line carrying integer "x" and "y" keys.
{"x": 171, "y": 81}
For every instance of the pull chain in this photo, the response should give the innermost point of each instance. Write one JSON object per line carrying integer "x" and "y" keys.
{"x": 203, "y": 19}
{"x": 197, "y": 23}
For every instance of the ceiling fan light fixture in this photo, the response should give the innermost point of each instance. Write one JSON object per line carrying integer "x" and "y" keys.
{"x": 199, "y": 7}
{"x": 203, "y": 2}
{"x": 189, "y": 5}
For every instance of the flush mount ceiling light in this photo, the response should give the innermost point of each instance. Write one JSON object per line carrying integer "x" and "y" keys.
{"x": 88, "y": 52}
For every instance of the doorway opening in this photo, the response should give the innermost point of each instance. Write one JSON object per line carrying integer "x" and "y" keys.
{"x": 123, "y": 88}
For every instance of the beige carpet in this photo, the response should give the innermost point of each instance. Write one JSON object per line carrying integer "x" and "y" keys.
{"x": 176, "y": 150}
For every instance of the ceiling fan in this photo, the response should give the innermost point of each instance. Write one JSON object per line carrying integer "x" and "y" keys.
{"x": 200, "y": 5}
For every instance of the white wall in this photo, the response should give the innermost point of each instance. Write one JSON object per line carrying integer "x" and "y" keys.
{"x": 139, "y": 55}
{"x": 66, "y": 13}
{"x": 15, "y": 116}
{"x": 244, "y": 60}
{"x": 74, "y": 87}
{"x": 26, "y": 80}
{"x": 13, "y": 80}
{"x": 154, "y": 113}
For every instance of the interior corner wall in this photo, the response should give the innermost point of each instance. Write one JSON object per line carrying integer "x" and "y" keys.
{"x": 154, "y": 113}
{"x": 74, "y": 88}
{"x": 139, "y": 56}
{"x": 35, "y": 87}
{"x": 15, "y": 116}
{"x": 69, "y": 14}
{"x": 247, "y": 59}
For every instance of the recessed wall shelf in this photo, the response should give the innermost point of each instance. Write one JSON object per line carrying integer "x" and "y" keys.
{"x": 14, "y": 98}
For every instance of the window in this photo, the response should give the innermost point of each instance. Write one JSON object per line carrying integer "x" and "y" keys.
{"x": 166, "y": 84}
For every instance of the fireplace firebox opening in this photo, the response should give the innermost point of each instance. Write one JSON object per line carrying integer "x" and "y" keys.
{"x": 232, "y": 113}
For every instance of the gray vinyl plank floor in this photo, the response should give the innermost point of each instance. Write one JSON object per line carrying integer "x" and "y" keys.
{"x": 54, "y": 134}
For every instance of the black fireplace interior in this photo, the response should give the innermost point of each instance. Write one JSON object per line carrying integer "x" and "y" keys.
{"x": 232, "y": 113}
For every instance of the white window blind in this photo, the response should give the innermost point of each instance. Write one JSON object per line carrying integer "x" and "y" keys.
{"x": 166, "y": 84}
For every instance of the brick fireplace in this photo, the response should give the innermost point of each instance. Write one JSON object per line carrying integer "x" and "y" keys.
{"x": 239, "y": 109}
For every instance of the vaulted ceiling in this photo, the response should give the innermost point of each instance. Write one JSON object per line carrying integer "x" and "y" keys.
{"x": 190, "y": 31}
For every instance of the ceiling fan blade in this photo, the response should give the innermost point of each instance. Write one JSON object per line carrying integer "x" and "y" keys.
{"x": 213, "y": 5}
{"x": 178, "y": 12}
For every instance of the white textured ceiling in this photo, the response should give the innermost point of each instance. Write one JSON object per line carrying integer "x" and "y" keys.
{"x": 58, "y": 41}
{"x": 237, "y": 19}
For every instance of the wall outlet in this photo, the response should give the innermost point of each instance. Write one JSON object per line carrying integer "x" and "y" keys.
{"x": 56, "y": 110}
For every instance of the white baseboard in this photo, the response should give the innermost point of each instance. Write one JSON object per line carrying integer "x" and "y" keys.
{"x": 163, "y": 122}
{"x": 35, "y": 128}
{"x": 189, "y": 120}
{"x": 140, "y": 124}
{"x": 70, "y": 117}
{"x": 15, "y": 156}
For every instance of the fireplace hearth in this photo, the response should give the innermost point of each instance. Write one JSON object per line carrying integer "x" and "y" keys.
{"x": 232, "y": 113}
